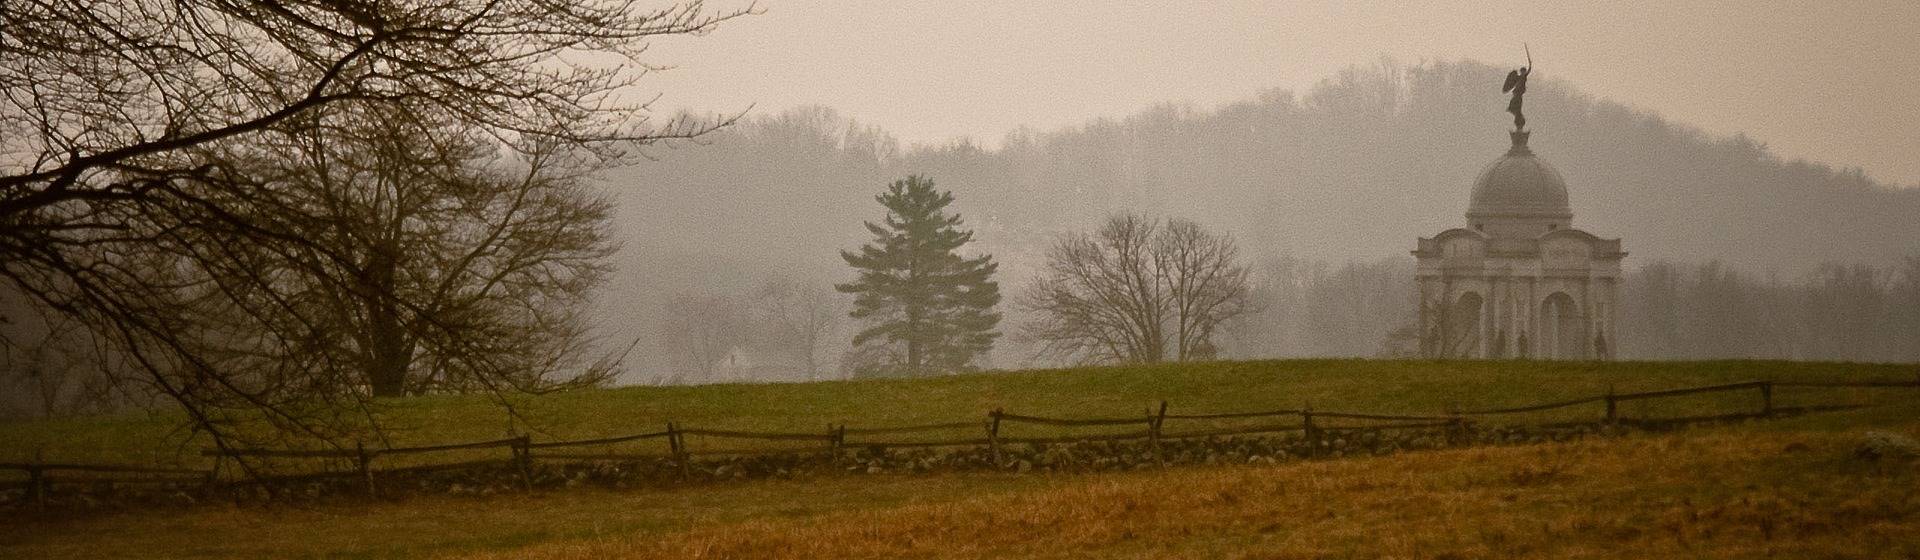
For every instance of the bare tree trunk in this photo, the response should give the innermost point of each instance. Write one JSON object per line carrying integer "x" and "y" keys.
{"x": 913, "y": 343}
{"x": 388, "y": 353}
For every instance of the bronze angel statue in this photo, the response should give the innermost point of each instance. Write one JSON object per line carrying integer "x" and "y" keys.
{"x": 1517, "y": 83}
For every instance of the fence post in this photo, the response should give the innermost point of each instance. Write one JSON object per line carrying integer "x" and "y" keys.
{"x": 1613, "y": 407}
{"x": 1154, "y": 422}
{"x": 1312, "y": 432}
{"x": 523, "y": 458}
{"x": 993, "y": 436}
{"x": 1455, "y": 428}
{"x": 1766, "y": 399}
{"x": 219, "y": 463}
{"x": 679, "y": 448}
{"x": 366, "y": 467}
{"x": 213, "y": 475}
{"x": 36, "y": 484}
{"x": 838, "y": 439}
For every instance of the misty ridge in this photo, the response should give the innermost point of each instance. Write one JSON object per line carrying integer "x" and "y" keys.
{"x": 730, "y": 244}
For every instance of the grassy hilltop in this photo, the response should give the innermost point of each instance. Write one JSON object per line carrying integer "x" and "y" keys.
{"x": 1412, "y": 387}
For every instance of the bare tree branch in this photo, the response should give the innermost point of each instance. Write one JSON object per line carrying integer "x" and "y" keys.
{"x": 1136, "y": 291}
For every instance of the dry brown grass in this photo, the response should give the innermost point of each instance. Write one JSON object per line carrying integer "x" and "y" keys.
{"x": 1785, "y": 489}
{"x": 1720, "y": 494}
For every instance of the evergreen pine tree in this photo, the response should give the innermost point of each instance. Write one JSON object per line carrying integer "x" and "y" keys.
{"x": 931, "y": 308}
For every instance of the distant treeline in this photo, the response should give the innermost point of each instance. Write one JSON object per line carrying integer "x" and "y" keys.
{"x": 790, "y": 329}
{"x": 1352, "y": 170}
{"x": 1670, "y": 311}
{"x": 1839, "y": 312}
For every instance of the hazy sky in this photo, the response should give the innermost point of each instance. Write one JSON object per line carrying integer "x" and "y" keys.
{"x": 1829, "y": 81}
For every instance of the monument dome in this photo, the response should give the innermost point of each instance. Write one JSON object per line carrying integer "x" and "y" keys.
{"x": 1519, "y": 184}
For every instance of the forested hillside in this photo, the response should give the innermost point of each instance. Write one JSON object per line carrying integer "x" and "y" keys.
{"x": 1320, "y": 187}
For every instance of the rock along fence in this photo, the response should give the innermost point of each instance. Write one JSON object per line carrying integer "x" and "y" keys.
{"x": 1144, "y": 440}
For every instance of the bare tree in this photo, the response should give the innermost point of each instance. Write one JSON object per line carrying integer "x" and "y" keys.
{"x": 799, "y": 321}
{"x": 450, "y": 263}
{"x": 1452, "y": 330}
{"x": 701, "y": 332}
{"x": 1205, "y": 282}
{"x": 1136, "y": 291}
{"x": 121, "y": 207}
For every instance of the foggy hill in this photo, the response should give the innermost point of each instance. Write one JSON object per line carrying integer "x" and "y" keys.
{"x": 1354, "y": 169}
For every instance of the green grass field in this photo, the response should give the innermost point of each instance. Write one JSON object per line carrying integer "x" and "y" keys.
{"x": 1416, "y": 387}
{"x": 1782, "y": 488}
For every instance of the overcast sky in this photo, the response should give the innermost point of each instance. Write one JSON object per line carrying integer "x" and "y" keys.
{"x": 1830, "y": 81}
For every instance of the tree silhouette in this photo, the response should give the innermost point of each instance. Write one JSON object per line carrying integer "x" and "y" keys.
{"x": 916, "y": 292}
{"x": 1137, "y": 291}
{"x": 121, "y": 208}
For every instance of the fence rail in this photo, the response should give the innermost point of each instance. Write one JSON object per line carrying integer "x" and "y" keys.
{"x": 38, "y": 482}
{"x": 509, "y": 442}
{"x": 1533, "y": 408}
{"x": 600, "y": 441}
{"x": 281, "y": 453}
{"x": 1233, "y": 415}
{"x": 1070, "y": 421}
{"x": 837, "y": 437}
{"x": 1845, "y": 384}
{"x": 1222, "y": 432}
{"x": 834, "y": 438}
{"x": 770, "y": 436}
{"x": 1386, "y": 417}
{"x": 1078, "y": 438}
{"x": 606, "y": 456}
{"x": 97, "y": 468}
{"x": 913, "y": 429}
{"x": 1688, "y": 391}
{"x": 909, "y": 444}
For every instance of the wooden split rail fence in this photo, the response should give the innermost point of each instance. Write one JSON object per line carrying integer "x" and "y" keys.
{"x": 523, "y": 451}
{"x": 39, "y": 483}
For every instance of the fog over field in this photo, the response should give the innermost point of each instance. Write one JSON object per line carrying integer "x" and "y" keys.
{"x": 1325, "y": 189}
{"x": 251, "y": 217}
